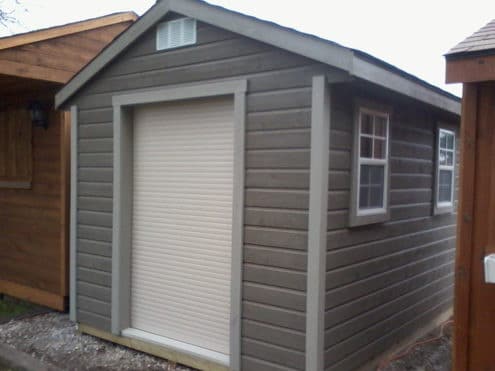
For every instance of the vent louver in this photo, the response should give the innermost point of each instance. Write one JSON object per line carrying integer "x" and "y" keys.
{"x": 176, "y": 33}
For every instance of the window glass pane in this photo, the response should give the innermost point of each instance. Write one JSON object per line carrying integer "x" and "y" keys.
{"x": 363, "y": 197}
{"x": 450, "y": 141}
{"x": 377, "y": 175}
{"x": 371, "y": 186}
{"x": 376, "y": 197}
{"x": 442, "y": 160}
{"x": 366, "y": 123}
{"x": 443, "y": 139}
{"x": 379, "y": 148}
{"x": 445, "y": 186}
{"x": 366, "y": 147}
{"x": 449, "y": 158}
{"x": 365, "y": 174}
{"x": 380, "y": 126}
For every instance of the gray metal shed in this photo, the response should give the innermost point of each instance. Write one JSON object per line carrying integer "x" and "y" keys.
{"x": 249, "y": 197}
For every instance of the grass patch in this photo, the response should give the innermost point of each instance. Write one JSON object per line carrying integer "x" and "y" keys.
{"x": 10, "y": 308}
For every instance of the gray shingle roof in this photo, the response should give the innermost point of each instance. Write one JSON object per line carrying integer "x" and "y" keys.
{"x": 482, "y": 40}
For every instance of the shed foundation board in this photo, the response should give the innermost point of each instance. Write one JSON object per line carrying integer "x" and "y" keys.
{"x": 154, "y": 349}
{"x": 40, "y": 297}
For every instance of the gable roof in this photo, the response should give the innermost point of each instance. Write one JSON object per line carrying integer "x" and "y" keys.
{"x": 64, "y": 30}
{"x": 481, "y": 41}
{"x": 355, "y": 63}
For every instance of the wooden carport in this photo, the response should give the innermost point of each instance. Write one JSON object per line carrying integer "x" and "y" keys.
{"x": 34, "y": 154}
{"x": 472, "y": 62}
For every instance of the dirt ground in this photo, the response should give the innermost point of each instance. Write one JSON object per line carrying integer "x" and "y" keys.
{"x": 433, "y": 353}
{"x": 55, "y": 341}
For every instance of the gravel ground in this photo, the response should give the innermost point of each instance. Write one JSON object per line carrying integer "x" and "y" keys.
{"x": 54, "y": 340}
{"x": 433, "y": 355}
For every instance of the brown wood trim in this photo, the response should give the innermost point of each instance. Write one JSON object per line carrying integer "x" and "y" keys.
{"x": 154, "y": 349}
{"x": 465, "y": 223}
{"x": 64, "y": 118}
{"x": 34, "y": 72}
{"x": 15, "y": 184}
{"x": 64, "y": 30}
{"x": 37, "y": 296}
{"x": 471, "y": 69}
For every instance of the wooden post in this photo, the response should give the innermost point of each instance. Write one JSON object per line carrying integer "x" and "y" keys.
{"x": 465, "y": 221}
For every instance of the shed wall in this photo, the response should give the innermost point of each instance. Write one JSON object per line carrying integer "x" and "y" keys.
{"x": 387, "y": 280}
{"x": 276, "y": 187}
{"x": 32, "y": 232}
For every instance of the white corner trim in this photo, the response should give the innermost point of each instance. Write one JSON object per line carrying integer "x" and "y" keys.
{"x": 317, "y": 230}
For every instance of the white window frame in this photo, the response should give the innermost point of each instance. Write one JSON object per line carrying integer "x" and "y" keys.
{"x": 444, "y": 206}
{"x": 359, "y": 216}
{"x": 373, "y": 161}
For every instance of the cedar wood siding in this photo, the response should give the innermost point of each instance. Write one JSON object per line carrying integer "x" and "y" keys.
{"x": 385, "y": 281}
{"x": 276, "y": 181}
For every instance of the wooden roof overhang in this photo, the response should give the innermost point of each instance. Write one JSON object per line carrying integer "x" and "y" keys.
{"x": 471, "y": 66}
{"x": 44, "y": 60}
{"x": 473, "y": 59}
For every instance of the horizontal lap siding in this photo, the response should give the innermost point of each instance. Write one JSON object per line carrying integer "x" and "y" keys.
{"x": 276, "y": 192}
{"x": 385, "y": 281}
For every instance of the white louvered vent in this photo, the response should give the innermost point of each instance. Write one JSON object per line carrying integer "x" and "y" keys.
{"x": 176, "y": 33}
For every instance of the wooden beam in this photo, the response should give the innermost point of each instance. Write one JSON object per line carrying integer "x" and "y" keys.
{"x": 54, "y": 32}
{"x": 465, "y": 221}
{"x": 33, "y": 295}
{"x": 64, "y": 118}
{"x": 471, "y": 69}
{"x": 154, "y": 349}
{"x": 34, "y": 72}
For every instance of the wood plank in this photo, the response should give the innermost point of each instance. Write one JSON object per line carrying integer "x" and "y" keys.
{"x": 142, "y": 346}
{"x": 290, "y": 219}
{"x": 280, "y": 297}
{"x": 482, "y": 296}
{"x": 54, "y": 32}
{"x": 278, "y": 336}
{"x": 274, "y": 276}
{"x": 275, "y": 257}
{"x": 64, "y": 121}
{"x": 347, "y": 311}
{"x": 272, "y": 353}
{"x": 471, "y": 69}
{"x": 274, "y": 315}
{"x": 34, "y": 72}
{"x": 469, "y": 123}
{"x": 41, "y": 297}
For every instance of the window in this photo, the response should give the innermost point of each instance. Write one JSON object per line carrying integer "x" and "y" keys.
{"x": 444, "y": 192}
{"x": 15, "y": 149}
{"x": 371, "y": 162}
{"x": 176, "y": 33}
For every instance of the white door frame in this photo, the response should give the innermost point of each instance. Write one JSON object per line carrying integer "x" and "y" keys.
{"x": 122, "y": 196}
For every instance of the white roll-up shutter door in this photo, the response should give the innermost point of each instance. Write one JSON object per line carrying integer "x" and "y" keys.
{"x": 182, "y": 222}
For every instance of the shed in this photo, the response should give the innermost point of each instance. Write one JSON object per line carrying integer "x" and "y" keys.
{"x": 246, "y": 196}
{"x": 472, "y": 63}
{"x": 34, "y": 154}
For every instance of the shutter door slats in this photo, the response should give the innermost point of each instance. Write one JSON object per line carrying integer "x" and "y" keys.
{"x": 182, "y": 221}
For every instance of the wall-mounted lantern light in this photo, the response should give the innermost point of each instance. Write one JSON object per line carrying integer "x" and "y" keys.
{"x": 38, "y": 114}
